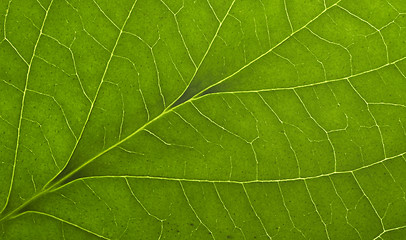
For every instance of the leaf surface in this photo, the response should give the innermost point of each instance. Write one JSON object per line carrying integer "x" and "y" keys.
{"x": 233, "y": 119}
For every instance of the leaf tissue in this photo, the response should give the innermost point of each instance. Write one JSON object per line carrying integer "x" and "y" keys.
{"x": 203, "y": 119}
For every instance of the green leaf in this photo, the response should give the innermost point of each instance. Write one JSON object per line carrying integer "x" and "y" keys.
{"x": 206, "y": 119}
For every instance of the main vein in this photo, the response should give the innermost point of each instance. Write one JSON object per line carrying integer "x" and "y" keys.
{"x": 49, "y": 187}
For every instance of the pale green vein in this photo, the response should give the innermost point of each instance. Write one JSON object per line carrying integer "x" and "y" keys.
{"x": 64, "y": 221}
{"x": 22, "y": 105}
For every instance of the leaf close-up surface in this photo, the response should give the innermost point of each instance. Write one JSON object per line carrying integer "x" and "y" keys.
{"x": 203, "y": 119}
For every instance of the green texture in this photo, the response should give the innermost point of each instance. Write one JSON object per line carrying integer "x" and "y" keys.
{"x": 203, "y": 119}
